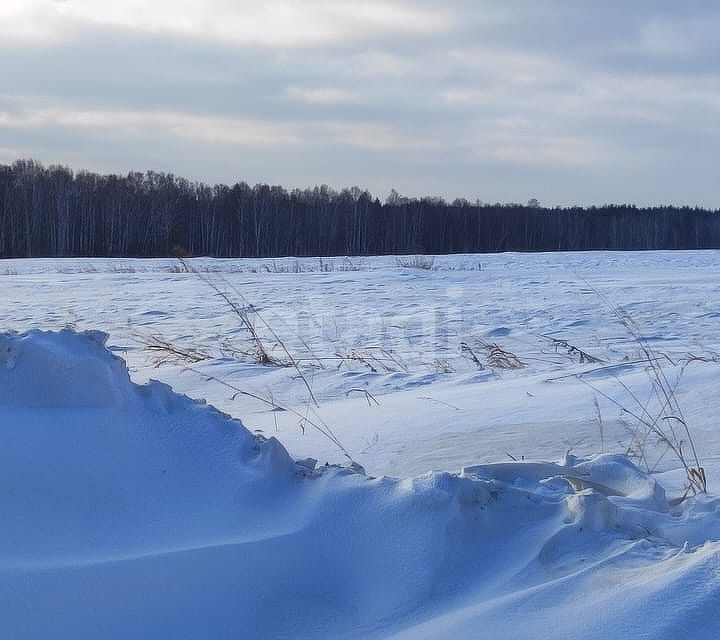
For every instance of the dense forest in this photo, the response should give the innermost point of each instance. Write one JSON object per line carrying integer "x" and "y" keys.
{"x": 56, "y": 212}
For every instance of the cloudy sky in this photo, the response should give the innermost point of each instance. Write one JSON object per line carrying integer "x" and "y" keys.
{"x": 569, "y": 101}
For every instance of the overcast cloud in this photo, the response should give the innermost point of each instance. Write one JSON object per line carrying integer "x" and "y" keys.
{"x": 567, "y": 101}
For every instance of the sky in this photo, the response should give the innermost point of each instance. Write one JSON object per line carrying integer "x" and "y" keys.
{"x": 567, "y": 101}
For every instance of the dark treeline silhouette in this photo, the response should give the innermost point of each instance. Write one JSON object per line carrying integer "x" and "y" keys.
{"x": 56, "y": 212}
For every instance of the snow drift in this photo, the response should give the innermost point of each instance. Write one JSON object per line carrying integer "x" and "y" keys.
{"x": 132, "y": 511}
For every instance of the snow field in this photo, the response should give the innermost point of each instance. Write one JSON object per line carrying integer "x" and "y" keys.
{"x": 132, "y": 511}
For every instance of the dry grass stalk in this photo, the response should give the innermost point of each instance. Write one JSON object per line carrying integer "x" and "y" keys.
{"x": 416, "y": 262}
{"x": 368, "y": 396}
{"x": 247, "y": 314}
{"x": 666, "y": 423}
{"x": 468, "y": 351}
{"x": 500, "y": 358}
{"x": 572, "y": 350}
{"x": 316, "y": 422}
{"x": 165, "y": 352}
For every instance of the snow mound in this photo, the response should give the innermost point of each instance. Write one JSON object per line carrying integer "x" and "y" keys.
{"x": 132, "y": 511}
{"x": 49, "y": 370}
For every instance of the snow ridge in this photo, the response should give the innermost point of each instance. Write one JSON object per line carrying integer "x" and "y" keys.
{"x": 133, "y": 511}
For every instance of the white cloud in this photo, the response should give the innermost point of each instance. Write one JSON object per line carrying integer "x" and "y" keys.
{"x": 35, "y": 21}
{"x": 214, "y": 130}
{"x": 322, "y": 95}
{"x": 271, "y": 23}
{"x": 380, "y": 137}
{"x": 209, "y": 129}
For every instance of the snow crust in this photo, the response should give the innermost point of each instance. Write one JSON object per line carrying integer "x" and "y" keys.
{"x": 131, "y": 511}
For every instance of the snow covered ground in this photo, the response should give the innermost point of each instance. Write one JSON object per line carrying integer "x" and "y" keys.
{"x": 483, "y": 395}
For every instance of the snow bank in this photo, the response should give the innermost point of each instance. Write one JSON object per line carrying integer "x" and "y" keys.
{"x": 132, "y": 511}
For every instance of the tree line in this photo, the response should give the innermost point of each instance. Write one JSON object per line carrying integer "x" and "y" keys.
{"x": 55, "y": 212}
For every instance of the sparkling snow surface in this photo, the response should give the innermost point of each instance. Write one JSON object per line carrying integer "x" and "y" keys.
{"x": 131, "y": 511}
